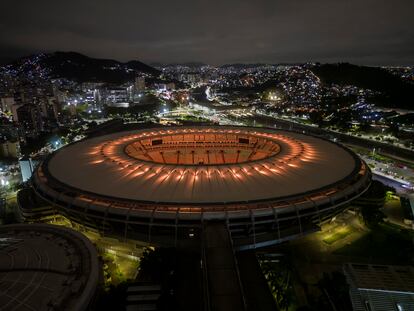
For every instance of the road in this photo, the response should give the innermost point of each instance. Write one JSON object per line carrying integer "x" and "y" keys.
{"x": 392, "y": 183}
{"x": 391, "y": 170}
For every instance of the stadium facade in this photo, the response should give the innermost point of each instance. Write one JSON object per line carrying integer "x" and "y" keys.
{"x": 163, "y": 185}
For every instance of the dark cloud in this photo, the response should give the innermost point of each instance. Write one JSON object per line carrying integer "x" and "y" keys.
{"x": 213, "y": 31}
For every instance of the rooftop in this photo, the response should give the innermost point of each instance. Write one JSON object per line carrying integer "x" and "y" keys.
{"x": 202, "y": 165}
{"x": 381, "y": 277}
{"x": 45, "y": 267}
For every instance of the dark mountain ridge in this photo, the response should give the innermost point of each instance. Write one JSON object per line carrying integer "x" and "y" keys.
{"x": 80, "y": 68}
{"x": 394, "y": 91}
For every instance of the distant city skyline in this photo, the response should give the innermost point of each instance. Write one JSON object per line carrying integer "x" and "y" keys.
{"x": 214, "y": 32}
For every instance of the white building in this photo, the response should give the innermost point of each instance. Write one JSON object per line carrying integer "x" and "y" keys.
{"x": 27, "y": 166}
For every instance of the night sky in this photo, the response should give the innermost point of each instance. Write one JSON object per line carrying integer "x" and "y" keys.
{"x": 372, "y": 32}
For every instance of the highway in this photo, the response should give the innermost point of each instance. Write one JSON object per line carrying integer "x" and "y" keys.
{"x": 398, "y": 186}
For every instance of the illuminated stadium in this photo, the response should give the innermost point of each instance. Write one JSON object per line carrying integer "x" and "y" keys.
{"x": 163, "y": 185}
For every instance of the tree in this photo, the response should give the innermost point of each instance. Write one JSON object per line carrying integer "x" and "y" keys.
{"x": 279, "y": 278}
{"x": 336, "y": 288}
{"x": 371, "y": 202}
{"x": 92, "y": 124}
{"x": 394, "y": 129}
{"x": 344, "y": 119}
{"x": 156, "y": 265}
{"x": 365, "y": 127}
{"x": 372, "y": 215}
{"x": 316, "y": 118}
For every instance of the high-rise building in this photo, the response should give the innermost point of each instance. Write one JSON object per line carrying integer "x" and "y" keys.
{"x": 139, "y": 84}
{"x": 7, "y": 103}
{"x": 29, "y": 117}
{"x": 116, "y": 95}
{"x": 10, "y": 149}
{"x": 27, "y": 167}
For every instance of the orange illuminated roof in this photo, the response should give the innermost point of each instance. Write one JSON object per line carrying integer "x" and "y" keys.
{"x": 202, "y": 164}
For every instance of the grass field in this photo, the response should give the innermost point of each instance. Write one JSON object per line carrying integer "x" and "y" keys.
{"x": 338, "y": 234}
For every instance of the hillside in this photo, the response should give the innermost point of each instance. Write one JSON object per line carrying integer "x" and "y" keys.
{"x": 78, "y": 67}
{"x": 395, "y": 92}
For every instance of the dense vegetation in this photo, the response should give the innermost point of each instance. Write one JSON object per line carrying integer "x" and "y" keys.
{"x": 394, "y": 91}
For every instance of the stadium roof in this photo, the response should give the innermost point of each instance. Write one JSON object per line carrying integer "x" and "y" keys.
{"x": 202, "y": 165}
{"x": 45, "y": 267}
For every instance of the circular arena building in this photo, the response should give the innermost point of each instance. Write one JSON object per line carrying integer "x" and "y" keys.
{"x": 163, "y": 185}
{"x": 45, "y": 267}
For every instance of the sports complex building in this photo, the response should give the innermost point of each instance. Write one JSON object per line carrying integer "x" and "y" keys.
{"x": 162, "y": 185}
{"x": 45, "y": 267}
